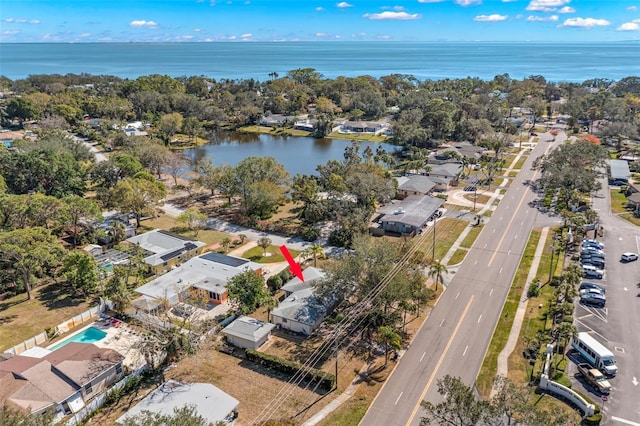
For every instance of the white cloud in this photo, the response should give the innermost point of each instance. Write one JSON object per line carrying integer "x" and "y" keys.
{"x": 319, "y": 9}
{"x": 546, "y": 5}
{"x": 396, "y": 16}
{"x": 430, "y": 1}
{"x": 567, "y": 9}
{"x": 551, "y": 18}
{"x": 10, "y": 32}
{"x": 105, "y": 39}
{"x": 143, "y": 23}
{"x": 343, "y": 4}
{"x": 384, "y": 36}
{"x": 325, "y": 35}
{"x": 585, "y": 23}
{"x": 197, "y": 30}
{"x": 246, "y": 36}
{"x": 630, "y": 26}
{"x": 490, "y": 18}
{"x": 632, "y": 8}
{"x": 22, "y": 21}
{"x": 398, "y": 8}
{"x": 508, "y": 1}
{"x": 468, "y": 2}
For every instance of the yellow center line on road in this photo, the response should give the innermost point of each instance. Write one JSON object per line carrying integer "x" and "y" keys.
{"x": 444, "y": 353}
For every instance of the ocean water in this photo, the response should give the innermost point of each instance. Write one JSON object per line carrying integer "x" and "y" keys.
{"x": 424, "y": 60}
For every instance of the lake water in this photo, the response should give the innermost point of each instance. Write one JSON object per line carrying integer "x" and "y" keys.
{"x": 424, "y": 60}
{"x": 296, "y": 154}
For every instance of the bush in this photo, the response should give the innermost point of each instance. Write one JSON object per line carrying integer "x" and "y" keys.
{"x": 274, "y": 283}
{"x": 340, "y": 238}
{"x": 533, "y": 291}
{"x": 324, "y": 380}
{"x": 310, "y": 234}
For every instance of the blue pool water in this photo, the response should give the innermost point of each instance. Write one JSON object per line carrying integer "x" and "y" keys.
{"x": 90, "y": 335}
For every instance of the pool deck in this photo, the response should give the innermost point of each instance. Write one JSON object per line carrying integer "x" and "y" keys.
{"x": 123, "y": 339}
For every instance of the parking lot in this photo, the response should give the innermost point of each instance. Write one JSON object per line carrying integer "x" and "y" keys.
{"x": 616, "y": 324}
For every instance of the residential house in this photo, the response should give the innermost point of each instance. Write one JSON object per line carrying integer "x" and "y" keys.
{"x": 619, "y": 171}
{"x": 275, "y": 120}
{"x": 307, "y": 124}
{"x": 203, "y": 277}
{"x": 448, "y": 173}
{"x": 414, "y": 185}
{"x": 373, "y": 127}
{"x": 410, "y": 215}
{"x": 465, "y": 149}
{"x": 164, "y": 250}
{"x": 303, "y": 310}
{"x": 248, "y": 333}
{"x": 311, "y": 276}
{"x": 209, "y": 401}
{"x": 62, "y": 381}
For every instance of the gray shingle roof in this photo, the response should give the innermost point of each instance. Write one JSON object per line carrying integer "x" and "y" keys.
{"x": 248, "y": 328}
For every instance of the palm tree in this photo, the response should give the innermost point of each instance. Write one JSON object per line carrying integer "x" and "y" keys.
{"x": 264, "y": 242}
{"x": 316, "y": 251}
{"x": 269, "y": 302}
{"x": 226, "y": 242}
{"x": 563, "y": 333}
{"x": 436, "y": 270}
{"x": 243, "y": 238}
{"x": 390, "y": 338}
{"x": 406, "y": 307}
{"x": 116, "y": 232}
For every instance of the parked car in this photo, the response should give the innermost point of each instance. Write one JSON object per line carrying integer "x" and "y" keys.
{"x": 628, "y": 257}
{"x": 592, "y": 271}
{"x": 586, "y": 285}
{"x": 588, "y": 291}
{"x": 598, "y": 300}
{"x": 591, "y": 242}
{"x": 595, "y": 261}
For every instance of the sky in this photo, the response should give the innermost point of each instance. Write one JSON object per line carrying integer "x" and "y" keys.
{"x": 75, "y": 21}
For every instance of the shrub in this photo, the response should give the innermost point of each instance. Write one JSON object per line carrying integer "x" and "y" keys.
{"x": 533, "y": 291}
{"x": 310, "y": 234}
{"x": 324, "y": 380}
{"x": 274, "y": 283}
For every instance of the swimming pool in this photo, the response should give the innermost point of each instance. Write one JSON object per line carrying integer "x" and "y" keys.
{"x": 90, "y": 335}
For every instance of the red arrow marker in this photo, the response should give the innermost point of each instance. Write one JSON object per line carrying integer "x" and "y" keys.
{"x": 293, "y": 266}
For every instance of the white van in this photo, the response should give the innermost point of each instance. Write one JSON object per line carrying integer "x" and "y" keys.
{"x": 592, "y": 271}
{"x": 596, "y": 354}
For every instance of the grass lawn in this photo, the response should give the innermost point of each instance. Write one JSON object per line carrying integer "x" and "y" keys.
{"x": 503, "y": 328}
{"x": 481, "y": 198}
{"x": 168, "y": 223}
{"x": 520, "y": 162}
{"x": 21, "y": 319}
{"x": 457, "y": 257}
{"x": 619, "y": 206}
{"x": 256, "y": 254}
{"x": 367, "y": 137}
{"x": 447, "y": 232}
{"x": 471, "y": 236}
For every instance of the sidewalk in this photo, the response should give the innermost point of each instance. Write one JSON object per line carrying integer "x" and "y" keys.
{"x": 514, "y": 334}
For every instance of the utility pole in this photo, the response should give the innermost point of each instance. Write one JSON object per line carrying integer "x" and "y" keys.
{"x": 433, "y": 250}
{"x": 551, "y": 265}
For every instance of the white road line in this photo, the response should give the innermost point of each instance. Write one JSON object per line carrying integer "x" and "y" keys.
{"x": 476, "y": 262}
{"x": 485, "y": 246}
{"x": 422, "y": 357}
{"x": 399, "y": 396}
{"x": 465, "y": 351}
{"x": 627, "y": 422}
{"x": 516, "y": 237}
{"x": 500, "y": 271}
{"x": 441, "y": 322}
{"x": 582, "y": 317}
{"x": 491, "y": 292}
{"x": 479, "y": 318}
{"x": 457, "y": 296}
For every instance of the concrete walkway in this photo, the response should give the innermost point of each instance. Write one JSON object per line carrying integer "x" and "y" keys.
{"x": 503, "y": 356}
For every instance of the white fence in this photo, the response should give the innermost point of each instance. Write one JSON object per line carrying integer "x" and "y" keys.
{"x": 59, "y": 329}
{"x": 99, "y": 400}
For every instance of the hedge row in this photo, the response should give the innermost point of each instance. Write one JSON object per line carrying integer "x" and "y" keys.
{"x": 326, "y": 381}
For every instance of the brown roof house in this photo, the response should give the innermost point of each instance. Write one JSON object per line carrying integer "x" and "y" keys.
{"x": 62, "y": 381}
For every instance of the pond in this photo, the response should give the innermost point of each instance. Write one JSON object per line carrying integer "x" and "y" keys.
{"x": 296, "y": 154}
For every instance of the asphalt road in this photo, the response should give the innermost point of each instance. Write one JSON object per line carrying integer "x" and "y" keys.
{"x": 616, "y": 326}
{"x": 455, "y": 337}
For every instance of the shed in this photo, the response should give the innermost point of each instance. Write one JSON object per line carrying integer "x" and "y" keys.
{"x": 248, "y": 333}
{"x": 209, "y": 401}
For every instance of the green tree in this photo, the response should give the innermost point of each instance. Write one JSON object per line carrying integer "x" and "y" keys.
{"x": 183, "y": 416}
{"x": 21, "y": 109}
{"x": 269, "y": 304}
{"x": 78, "y": 212}
{"x": 315, "y": 251}
{"x": 194, "y": 219}
{"x": 436, "y": 271}
{"x": 80, "y": 270}
{"x": 247, "y": 291}
{"x": 390, "y": 339}
{"x": 10, "y": 416}
{"x": 460, "y": 406}
{"x": 137, "y": 195}
{"x": 169, "y": 125}
{"x": 30, "y": 252}
{"x": 259, "y": 169}
{"x": 117, "y": 289}
{"x": 263, "y": 199}
{"x": 264, "y": 242}
{"x": 225, "y": 243}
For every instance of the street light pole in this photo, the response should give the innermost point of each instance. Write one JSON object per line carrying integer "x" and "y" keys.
{"x": 551, "y": 265}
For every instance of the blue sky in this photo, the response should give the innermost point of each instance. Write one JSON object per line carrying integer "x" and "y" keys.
{"x": 315, "y": 20}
